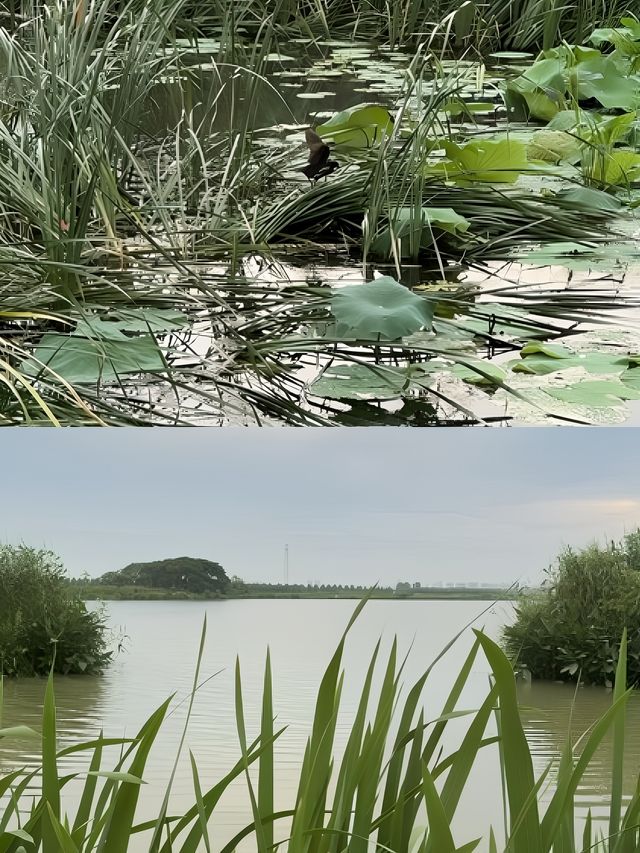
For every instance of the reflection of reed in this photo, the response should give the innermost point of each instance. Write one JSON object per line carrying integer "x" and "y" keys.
{"x": 551, "y": 711}
{"x": 78, "y": 703}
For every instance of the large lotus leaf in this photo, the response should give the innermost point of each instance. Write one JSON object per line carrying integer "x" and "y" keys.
{"x": 358, "y": 127}
{"x": 553, "y": 146}
{"x": 82, "y": 360}
{"x": 383, "y": 309}
{"x": 369, "y": 382}
{"x": 595, "y": 392}
{"x": 626, "y": 38}
{"x": 617, "y": 168}
{"x": 410, "y": 229}
{"x": 541, "y": 87}
{"x": 570, "y": 55}
{"x": 602, "y": 79}
{"x": 542, "y": 358}
{"x": 484, "y": 160}
{"x": 610, "y": 129}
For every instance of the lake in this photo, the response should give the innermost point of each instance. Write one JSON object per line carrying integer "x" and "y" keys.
{"x": 159, "y": 656}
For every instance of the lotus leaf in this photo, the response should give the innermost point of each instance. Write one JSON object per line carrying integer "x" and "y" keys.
{"x": 485, "y": 160}
{"x": 411, "y": 230}
{"x": 380, "y": 310}
{"x": 601, "y": 79}
{"x": 369, "y": 381}
{"x": 595, "y": 392}
{"x": 82, "y": 360}
{"x": 358, "y": 127}
{"x": 542, "y": 358}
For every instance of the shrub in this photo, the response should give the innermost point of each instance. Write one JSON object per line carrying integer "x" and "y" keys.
{"x": 42, "y": 621}
{"x": 571, "y": 628}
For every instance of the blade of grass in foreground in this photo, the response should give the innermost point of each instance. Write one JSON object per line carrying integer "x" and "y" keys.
{"x": 518, "y": 766}
{"x": 265, "y": 769}
{"x": 617, "y": 771}
{"x": 157, "y": 835}
{"x": 121, "y": 813}
{"x": 50, "y": 781}
{"x": 317, "y": 762}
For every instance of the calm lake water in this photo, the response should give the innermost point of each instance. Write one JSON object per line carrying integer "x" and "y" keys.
{"x": 161, "y": 648}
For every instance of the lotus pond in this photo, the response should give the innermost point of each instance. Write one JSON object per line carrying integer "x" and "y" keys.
{"x": 473, "y": 259}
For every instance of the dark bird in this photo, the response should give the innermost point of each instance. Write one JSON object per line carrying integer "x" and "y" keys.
{"x": 319, "y": 163}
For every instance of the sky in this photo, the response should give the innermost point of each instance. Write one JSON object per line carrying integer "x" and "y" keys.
{"x": 357, "y": 506}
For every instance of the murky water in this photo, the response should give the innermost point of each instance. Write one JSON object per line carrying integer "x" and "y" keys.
{"x": 160, "y": 658}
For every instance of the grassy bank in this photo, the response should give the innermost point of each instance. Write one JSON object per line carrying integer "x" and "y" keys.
{"x": 398, "y": 783}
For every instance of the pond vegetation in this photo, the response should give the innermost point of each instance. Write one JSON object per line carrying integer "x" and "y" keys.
{"x": 44, "y": 625}
{"x": 399, "y": 782}
{"x": 570, "y": 629}
{"x": 166, "y": 261}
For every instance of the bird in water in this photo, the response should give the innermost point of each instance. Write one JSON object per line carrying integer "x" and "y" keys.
{"x": 319, "y": 165}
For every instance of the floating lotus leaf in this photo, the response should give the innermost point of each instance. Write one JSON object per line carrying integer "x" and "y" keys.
{"x": 380, "y": 310}
{"x": 362, "y": 126}
{"x": 83, "y": 360}
{"x": 486, "y": 160}
{"x": 370, "y": 382}
{"x": 595, "y": 392}
{"x": 542, "y": 358}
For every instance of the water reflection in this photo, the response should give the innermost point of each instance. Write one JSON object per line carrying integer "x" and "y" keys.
{"x": 551, "y": 712}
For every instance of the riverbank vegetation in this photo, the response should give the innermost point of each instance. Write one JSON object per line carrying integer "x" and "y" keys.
{"x": 398, "y": 783}
{"x": 165, "y": 261}
{"x": 570, "y": 629}
{"x": 43, "y": 623}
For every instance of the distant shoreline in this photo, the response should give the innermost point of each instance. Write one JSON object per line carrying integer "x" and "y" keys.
{"x": 104, "y": 593}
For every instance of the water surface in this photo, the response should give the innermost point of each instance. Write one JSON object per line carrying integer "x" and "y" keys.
{"x": 161, "y": 647}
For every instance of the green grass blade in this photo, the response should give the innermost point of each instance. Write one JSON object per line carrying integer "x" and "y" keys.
{"x": 50, "y": 781}
{"x": 440, "y": 837}
{"x": 265, "y": 769}
{"x": 121, "y": 813}
{"x": 518, "y": 766}
{"x": 617, "y": 770}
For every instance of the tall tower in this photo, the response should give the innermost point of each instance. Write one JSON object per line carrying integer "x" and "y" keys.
{"x": 286, "y": 565}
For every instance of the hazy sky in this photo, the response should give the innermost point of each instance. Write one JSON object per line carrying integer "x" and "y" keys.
{"x": 358, "y": 506}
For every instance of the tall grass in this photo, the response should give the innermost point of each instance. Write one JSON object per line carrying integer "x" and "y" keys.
{"x": 395, "y": 786}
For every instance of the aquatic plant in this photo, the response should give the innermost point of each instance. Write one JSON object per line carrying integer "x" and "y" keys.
{"x": 571, "y": 629}
{"x": 397, "y": 783}
{"x": 44, "y": 625}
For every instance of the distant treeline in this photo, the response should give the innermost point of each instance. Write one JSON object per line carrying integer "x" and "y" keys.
{"x": 200, "y": 579}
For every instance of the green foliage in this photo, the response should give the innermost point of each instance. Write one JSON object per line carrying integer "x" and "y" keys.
{"x": 361, "y": 126}
{"x": 42, "y": 621}
{"x": 188, "y": 574}
{"x": 571, "y": 629}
